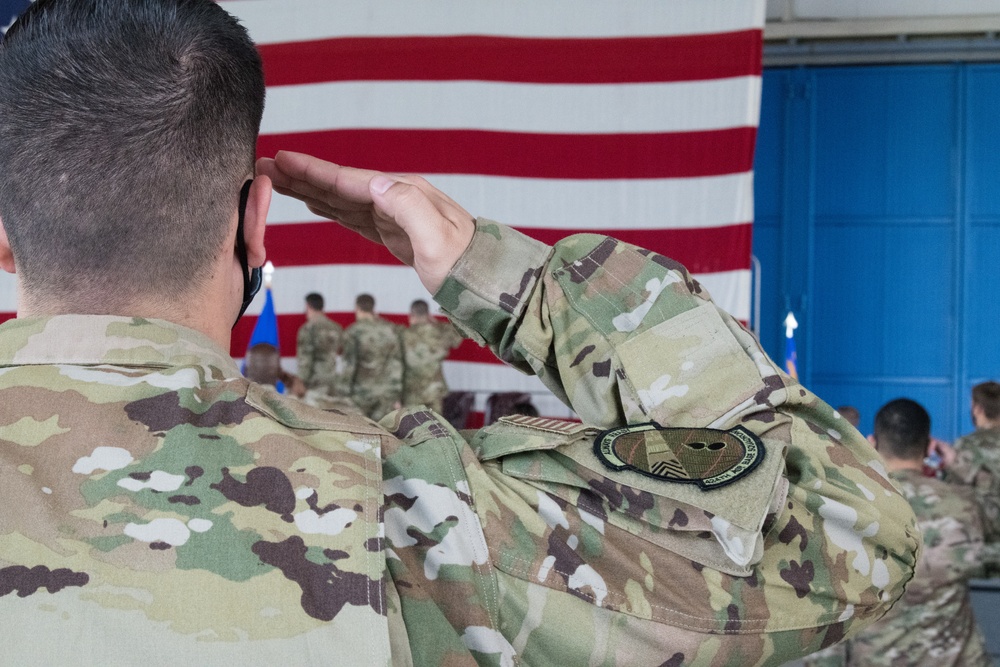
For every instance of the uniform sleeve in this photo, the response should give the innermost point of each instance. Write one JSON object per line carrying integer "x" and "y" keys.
{"x": 305, "y": 353}
{"x": 801, "y": 550}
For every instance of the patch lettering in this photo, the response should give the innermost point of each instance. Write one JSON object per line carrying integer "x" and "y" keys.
{"x": 710, "y": 458}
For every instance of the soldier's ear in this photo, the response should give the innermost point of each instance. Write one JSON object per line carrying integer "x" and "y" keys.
{"x": 258, "y": 201}
{"x": 6, "y": 254}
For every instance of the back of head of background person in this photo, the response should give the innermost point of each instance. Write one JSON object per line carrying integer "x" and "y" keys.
{"x": 902, "y": 433}
{"x": 263, "y": 364}
{"x": 122, "y": 169}
{"x": 419, "y": 312}
{"x": 851, "y": 414}
{"x": 314, "y": 304}
{"x": 986, "y": 405}
{"x": 163, "y": 509}
{"x": 364, "y": 306}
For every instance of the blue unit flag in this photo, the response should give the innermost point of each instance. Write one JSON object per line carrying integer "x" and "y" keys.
{"x": 266, "y": 329}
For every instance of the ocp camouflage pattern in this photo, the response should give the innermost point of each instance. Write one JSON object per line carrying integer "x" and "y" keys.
{"x": 933, "y": 624}
{"x": 372, "y": 372}
{"x": 977, "y": 465}
{"x": 425, "y": 347}
{"x": 317, "y": 346}
{"x": 163, "y": 507}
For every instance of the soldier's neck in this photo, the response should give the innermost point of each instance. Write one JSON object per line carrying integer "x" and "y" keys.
{"x": 188, "y": 311}
{"x": 898, "y": 465}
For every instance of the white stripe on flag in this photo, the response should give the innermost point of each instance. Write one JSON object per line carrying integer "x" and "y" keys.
{"x": 555, "y": 108}
{"x": 8, "y": 293}
{"x": 271, "y": 21}
{"x": 672, "y": 203}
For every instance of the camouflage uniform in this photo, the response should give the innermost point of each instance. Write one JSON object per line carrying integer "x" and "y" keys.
{"x": 372, "y": 374}
{"x": 316, "y": 352}
{"x": 425, "y": 346}
{"x": 977, "y": 464}
{"x": 159, "y": 507}
{"x": 932, "y": 624}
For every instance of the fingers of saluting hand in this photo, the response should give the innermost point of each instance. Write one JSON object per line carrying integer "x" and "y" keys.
{"x": 418, "y": 223}
{"x": 317, "y": 179}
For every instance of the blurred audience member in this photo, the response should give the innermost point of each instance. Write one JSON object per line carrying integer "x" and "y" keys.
{"x": 426, "y": 344}
{"x": 318, "y": 343}
{"x": 263, "y": 365}
{"x": 977, "y": 458}
{"x": 932, "y": 624}
{"x": 372, "y": 374}
{"x": 851, "y": 414}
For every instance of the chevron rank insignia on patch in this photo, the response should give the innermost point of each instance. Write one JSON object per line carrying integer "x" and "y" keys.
{"x": 707, "y": 457}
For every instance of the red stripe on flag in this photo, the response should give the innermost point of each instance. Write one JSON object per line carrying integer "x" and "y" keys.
{"x": 701, "y": 250}
{"x": 515, "y": 59}
{"x": 528, "y": 155}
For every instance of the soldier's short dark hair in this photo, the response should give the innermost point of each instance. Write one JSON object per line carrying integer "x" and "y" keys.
{"x": 987, "y": 396}
{"x": 419, "y": 308}
{"x": 365, "y": 303}
{"x": 315, "y": 301}
{"x": 263, "y": 363}
{"x": 127, "y": 128}
{"x": 903, "y": 429}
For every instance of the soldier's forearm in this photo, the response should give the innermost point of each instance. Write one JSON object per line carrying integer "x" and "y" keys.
{"x": 621, "y": 334}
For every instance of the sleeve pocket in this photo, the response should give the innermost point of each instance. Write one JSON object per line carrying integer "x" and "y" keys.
{"x": 689, "y": 370}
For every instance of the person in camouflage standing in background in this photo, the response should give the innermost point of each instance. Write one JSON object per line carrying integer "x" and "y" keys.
{"x": 977, "y": 460}
{"x": 158, "y": 508}
{"x": 372, "y": 373}
{"x": 317, "y": 345}
{"x": 933, "y": 624}
{"x": 426, "y": 344}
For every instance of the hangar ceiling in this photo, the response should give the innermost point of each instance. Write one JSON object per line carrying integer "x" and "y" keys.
{"x": 829, "y": 32}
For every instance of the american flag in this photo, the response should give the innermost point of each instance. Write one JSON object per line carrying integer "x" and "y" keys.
{"x": 636, "y": 119}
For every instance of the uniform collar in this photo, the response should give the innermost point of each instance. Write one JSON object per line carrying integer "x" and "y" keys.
{"x": 106, "y": 339}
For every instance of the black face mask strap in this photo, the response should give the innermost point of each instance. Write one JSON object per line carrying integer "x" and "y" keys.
{"x": 252, "y": 278}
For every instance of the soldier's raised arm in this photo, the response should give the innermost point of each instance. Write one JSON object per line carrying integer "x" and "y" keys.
{"x": 709, "y": 505}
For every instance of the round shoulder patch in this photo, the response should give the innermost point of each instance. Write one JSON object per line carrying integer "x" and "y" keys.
{"x": 707, "y": 457}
